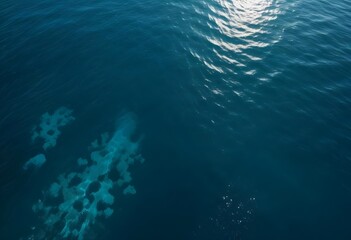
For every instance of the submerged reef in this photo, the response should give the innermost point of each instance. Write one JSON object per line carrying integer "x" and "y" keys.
{"x": 36, "y": 162}
{"x": 49, "y": 128}
{"x": 73, "y": 203}
{"x": 49, "y": 131}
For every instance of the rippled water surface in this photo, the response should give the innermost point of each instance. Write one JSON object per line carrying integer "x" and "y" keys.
{"x": 231, "y": 118}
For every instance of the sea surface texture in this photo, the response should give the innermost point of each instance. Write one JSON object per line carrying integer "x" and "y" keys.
{"x": 175, "y": 120}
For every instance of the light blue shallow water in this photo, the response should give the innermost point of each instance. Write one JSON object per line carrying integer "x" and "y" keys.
{"x": 240, "y": 109}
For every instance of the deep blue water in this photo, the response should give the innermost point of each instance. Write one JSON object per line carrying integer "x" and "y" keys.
{"x": 242, "y": 109}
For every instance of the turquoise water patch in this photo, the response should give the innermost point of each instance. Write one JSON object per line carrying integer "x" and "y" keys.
{"x": 35, "y": 162}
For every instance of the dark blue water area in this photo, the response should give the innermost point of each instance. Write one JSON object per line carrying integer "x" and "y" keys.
{"x": 243, "y": 108}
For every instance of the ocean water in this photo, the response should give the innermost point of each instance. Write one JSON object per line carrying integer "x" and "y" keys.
{"x": 232, "y": 118}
